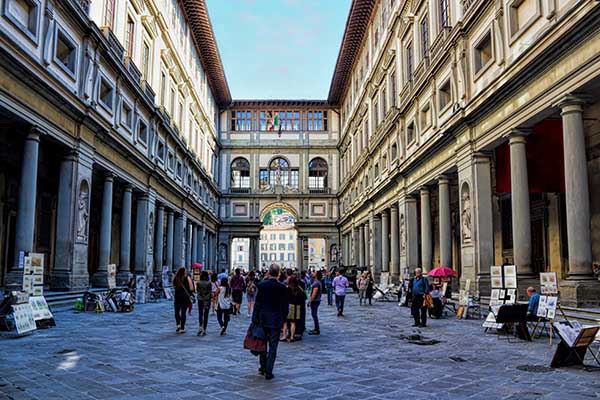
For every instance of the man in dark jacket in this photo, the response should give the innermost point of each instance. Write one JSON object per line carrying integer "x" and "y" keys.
{"x": 270, "y": 312}
{"x": 419, "y": 288}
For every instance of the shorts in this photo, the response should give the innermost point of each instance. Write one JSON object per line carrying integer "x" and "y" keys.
{"x": 236, "y": 296}
{"x": 295, "y": 312}
{"x": 251, "y": 298}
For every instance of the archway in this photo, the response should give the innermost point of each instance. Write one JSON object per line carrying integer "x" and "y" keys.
{"x": 278, "y": 236}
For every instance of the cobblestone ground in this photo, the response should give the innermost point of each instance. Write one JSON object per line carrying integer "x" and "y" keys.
{"x": 362, "y": 355}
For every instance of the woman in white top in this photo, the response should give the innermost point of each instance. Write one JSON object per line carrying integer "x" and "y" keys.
{"x": 223, "y": 296}
{"x": 214, "y": 285}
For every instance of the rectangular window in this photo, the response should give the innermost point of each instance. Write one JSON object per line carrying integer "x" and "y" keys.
{"x": 105, "y": 94}
{"x": 142, "y": 132}
{"x": 409, "y": 63}
{"x": 241, "y": 120}
{"x": 263, "y": 178}
{"x": 24, "y": 14}
{"x": 316, "y": 120}
{"x": 483, "y": 52}
{"x": 375, "y": 113}
{"x": 109, "y": 13}
{"x": 393, "y": 88}
{"x": 160, "y": 151}
{"x": 171, "y": 161}
{"x": 425, "y": 37}
{"x": 126, "y": 116}
{"x": 444, "y": 95}
{"x": 444, "y": 14}
{"x": 129, "y": 34}
{"x": 65, "y": 52}
{"x": 383, "y": 101}
{"x": 425, "y": 117}
{"x": 180, "y": 123}
{"x": 410, "y": 133}
{"x": 294, "y": 173}
{"x": 145, "y": 61}
{"x": 163, "y": 88}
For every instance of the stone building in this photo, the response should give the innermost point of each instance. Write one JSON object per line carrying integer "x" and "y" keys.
{"x": 460, "y": 133}
{"x": 108, "y": 136}
{"x": 469, "y": 135}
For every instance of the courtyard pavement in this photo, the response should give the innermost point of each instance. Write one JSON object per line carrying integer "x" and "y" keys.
{"x": 364, "y": 355}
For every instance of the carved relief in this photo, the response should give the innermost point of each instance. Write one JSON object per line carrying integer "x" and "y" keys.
{"x": 466, "y": 214}
{"x": 83, "y": 213}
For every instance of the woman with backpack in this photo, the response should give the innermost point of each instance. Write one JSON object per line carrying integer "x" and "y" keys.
{"x": 205, "y": 295}
{"x": 183, "y": 297}
{"x": 224, "y": 305}
{"x": 296, "y": 300}
{"x": 251, "y": 290}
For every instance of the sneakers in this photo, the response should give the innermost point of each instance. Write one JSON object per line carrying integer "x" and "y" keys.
{"x": 178, "y": 329}
{"x": 314, "y": 332}
{"x": 201, "y": 332}
{"x": 223, "y": 329}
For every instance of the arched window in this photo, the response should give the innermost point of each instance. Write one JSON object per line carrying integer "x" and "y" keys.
{"x": 240, "y": 173}
{"x": 317, "y": 173}
{"x": 279, "y": 172}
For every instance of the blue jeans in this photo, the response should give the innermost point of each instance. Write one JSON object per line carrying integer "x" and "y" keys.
{"x": 267, "y": 359}
{"x": 314, "y": 311}
{"x": 329, "y": 296}
{"x": 339, "y": 302}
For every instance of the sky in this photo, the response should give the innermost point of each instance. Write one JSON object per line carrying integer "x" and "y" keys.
{"x": 279, "y": 49}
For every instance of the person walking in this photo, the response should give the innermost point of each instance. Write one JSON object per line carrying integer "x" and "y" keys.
{"x": 214, "y": 284}
{"x": 238, "y": 286}
{"x": 296, "y": 299}
{"x": 315, "y": 301}
{"x": 340, "y": 283}
{"x": 270, "y": 311}
{"x": 223, "y": 274}
{"x": 223, "y": 305}
{"x": 362, "y": 288}
{"x": 205, "y": 296}
{"x": 329, "y": 288}
{"x": 369, "y": 289}
{"x": 183, "y": 294}
{"x": 420, "y": 287}
{"x": 251, "y": 288}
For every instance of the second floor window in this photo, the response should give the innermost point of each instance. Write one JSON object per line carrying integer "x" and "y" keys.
{"x": 409, "y": 63}
{"x": 316, "y": 120}
{"x": 109, "y": 13}
{"x": 444, "y": 14}
{"x": 129, "y": 35}
{"x": 425, "y": 37}
{"x": 145, "y": 61}
{"x": 240, "y": 173}
{"x": 241, "y": 120}
{"x": 317, "y": 174}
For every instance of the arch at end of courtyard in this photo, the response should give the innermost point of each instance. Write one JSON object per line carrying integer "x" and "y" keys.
{"x": 277, "y": 208}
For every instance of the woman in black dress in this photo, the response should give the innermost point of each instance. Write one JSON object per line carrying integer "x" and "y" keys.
{"x": 183, "y": 290}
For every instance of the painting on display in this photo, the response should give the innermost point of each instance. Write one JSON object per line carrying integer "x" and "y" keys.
{"x": 24, "y": 320}
{"x": 112, "y": 276}
{"x": 548, "y": 283}
{"x": 40, "y": 308}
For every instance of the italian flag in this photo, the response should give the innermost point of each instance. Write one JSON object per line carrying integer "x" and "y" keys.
{"x": 273, "y": 124}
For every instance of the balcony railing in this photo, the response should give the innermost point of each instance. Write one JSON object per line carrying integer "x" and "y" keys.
{"x": 315, "y": 190}
{"x": 239, "y": 190}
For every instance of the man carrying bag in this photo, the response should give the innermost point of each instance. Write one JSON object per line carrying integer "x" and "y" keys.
{"x": 270, "y": 311}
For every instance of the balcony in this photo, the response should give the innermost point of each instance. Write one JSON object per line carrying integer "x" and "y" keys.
{"x": 239, "y": 190}
{"x": 115, "y": 46}
{"x": 133, "y": 70}
{"x": 316, "y": 190}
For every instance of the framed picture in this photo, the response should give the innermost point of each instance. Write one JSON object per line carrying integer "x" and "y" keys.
{"x": 495, "y": 294}
{"x": 496, "y": 282}
{"x": 496, "y": 271}
{"x": 510, "y": 271}
{"x": 510, "y": 282}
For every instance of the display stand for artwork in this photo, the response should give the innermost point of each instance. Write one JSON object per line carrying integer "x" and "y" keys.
{"x": 503, "y": 281}
{"x": 549, "y": 304}
{"x": 568, "y": 353}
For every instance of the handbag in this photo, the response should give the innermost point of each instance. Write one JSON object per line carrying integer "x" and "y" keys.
{"x": 255, "y": 339}
{"x": 191, "y": 296}
{"x": 427, "y": 300}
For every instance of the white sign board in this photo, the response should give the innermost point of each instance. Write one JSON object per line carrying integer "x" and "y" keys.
{"x": 24, "y": 320}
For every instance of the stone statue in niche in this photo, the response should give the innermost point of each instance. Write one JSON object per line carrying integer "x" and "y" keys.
{"x": 150, "y": 232}
{"x": 83, "y": 213}
{"x": 402, "y": 235}
{"x": 466, "y": 215}
{"x": 223, "y": 253}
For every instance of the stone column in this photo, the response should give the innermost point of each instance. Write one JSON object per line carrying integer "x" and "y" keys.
{"x": 366, "y": 245}
{"x": 170, "y": 232}
{"x": 426, "y": 245}
{"x": 445, "y": 223}
{"x": 202, "y": 245}
{"x": 194, "y": 243}
{"x": 100, "y": 277}
{"x": 188, "y": 245}
{"x": 409, "y": 243}
{"x": 376, "y": 246}
{"x": 521, "y": 224}
{"x": 385, "y": 242}
{"x": 159, "y": 239}
{"x": 576, "y": 189}
{"x": 144, "y": 236}
{"x": 361, "y": 246}
{"x": 178, "y": 236}
{"x": 395, "y": 245}
{"x": 25, "y": 223}
{"x": 356, "y": 246}
{"x": 124, "y": 272}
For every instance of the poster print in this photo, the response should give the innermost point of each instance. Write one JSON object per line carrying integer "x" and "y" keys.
{"x": 548, "y": 283}
{"x": 40, "y": 308}
{"x": 496, "y": 282}
{"x": 23, "y": 315}
{"x": 510, "y": 282}
{"x": 496, "y": 272}
{"x": 510, "y": 271}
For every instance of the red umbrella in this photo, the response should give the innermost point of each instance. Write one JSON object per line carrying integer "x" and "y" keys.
{"x": 442, "y": 272}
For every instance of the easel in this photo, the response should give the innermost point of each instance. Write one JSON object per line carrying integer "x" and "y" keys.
{"x": 574, "y": 355}
{"x": 550, "y": 324}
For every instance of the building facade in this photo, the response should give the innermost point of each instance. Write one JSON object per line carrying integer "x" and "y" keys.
{"x": 458, "y": 133}
{"x": 468, "y": 139}
{"x": 109, "y": 142}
